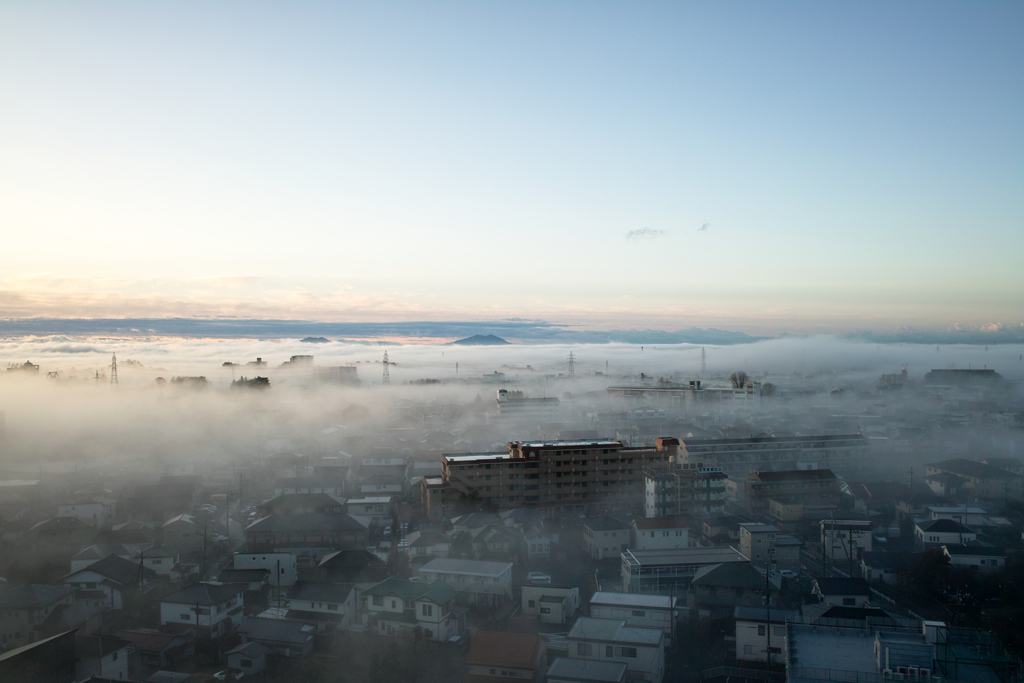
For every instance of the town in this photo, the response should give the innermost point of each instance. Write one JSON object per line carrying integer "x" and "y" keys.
{"x": 728, "y": 529}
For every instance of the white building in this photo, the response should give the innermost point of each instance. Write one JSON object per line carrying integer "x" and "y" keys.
{"x": 845, "y": 538}
{"x": 330, "y": 605}
{"x": 605, "y": 537}
{"x": 377, "y": 508}
{"x": 642, "y": 650}
{"x": 939, "y": 532}
{"x": 514, "y": 406}
{"x": 551, "y": 603}
{"x": 283, "y": 567}
{"x": 659, "y": 532}
{"x": 752, "y": 634}
{"x": 757, "y": 542}
{"x": 396, "y": 605}
{"x": 89, "y": 510}
{"x": 215, "y": 608}
{"x": 477, "y": 582}
{"x": 974, "y": 558}
{"x": 636, "y": 609}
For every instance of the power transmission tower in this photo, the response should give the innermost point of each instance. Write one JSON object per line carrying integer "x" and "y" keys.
{"x": 703, "y": 362}
{"x": 113, "y": 369}
{"x": 572, "y": 365}
{"x": 387, "y": 373}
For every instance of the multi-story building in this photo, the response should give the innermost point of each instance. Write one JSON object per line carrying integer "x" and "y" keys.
{"x": 646, "y": 611}
{"x": 23, "y": 609}
{"x": 791, "y": 487}
{"x": 558, "y": 476}
{"x": 981, "y": 480}
{"x": 661, "y": 532}
{"x": 757, "y": 542}
{"x": 512, "y": 405}
{"x": 687, "y": 489}
{"x": 398, "y": 605}
{"x": 210, "y": 609}
{"x": 841, "y": 453}
{"x": 605, "y": 537}
{"x": 477, "y": 582}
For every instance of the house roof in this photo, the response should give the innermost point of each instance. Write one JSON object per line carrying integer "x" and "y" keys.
{"x": 779, "y": 616}
{"x": 437, "y": 592}
{"x": 972, "y": 468}
{"x": 33, "y": 595}
{"x": 351, "y": 558}
{"x": 587, "y": 670}
{"x": 729, "y": 575}
{"x": 277, "y": 630}
{"x": 66, "y": 617}
{"x": 792, "y": 475}
{"x": 974, "y": 551}
{"x": 61, "y": 524}
{"x": 512, "y": 650}
{"x": 203, "y": 594}
{"x": 606, "y": 524}
{"x": 469, "y": 567}
{"x": 878, "y": 559}
{"x": 150, "y": 641}
{"x": 842, "y": 586}
{"x": 632, "y": 600}
{"x": 427, "y": 538}
{"x": 309, "y": 521}
{"x": 613, "y": 630}
{"x": 101, "y": 550}
{"x": 950, "y": 526}
{"x": 117, "y": 569}
{"x": 324, "y": 592}
{"x": 243, "y": 575}
{"x": 251, "y": 650}
{"x": 642, "y": 523}
{"x": 188, "y": 519}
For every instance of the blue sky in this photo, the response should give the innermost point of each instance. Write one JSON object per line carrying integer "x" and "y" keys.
{"x": 858, "y": 165}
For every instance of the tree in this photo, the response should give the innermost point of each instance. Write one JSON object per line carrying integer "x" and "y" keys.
{"x": 739, "y": 379}
{"x": 767, "y": 388}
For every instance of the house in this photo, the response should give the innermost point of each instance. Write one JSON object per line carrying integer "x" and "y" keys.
{"x": 842, "y": 592}
{"x": 249, "y": 658}
{"x": 729, "y": 585}
{"x": 294, "y": 503}
{"x": 879, "y": 566}
{"x": 605, "y": 537}
{"x": 636, "y": 609}
{"x": 946, "y": 484}
{"x": 382, "y": 485}
{"x": 97, "y": 552}
{"x": 158, "y": 651}
{"x": 936, "y": 533}
{"x": 101, "y": 656}
{"x": 51, "y": 660}
{"x": 23, "y": 610}
{"x": 757, "y": 542}
{"x": 433, "y": 497}
{"x": 428, "y": 544}
{"x": 981, "y": 480}
{"x": 984, "y": 560}
{"x": 846, "y": 539}
{"x": 476, "y": 582}
{"x": 329, "y": 605}
{"x": 160, "y": 560}
{"x": 566, "y": 670}
{"x": 493, "y": 539}
{"x": 359, "y": 567}
{"x": 787, "y": 553}
{"x": 109, "y": 578}
{"x": 307, "y": 530}
{"x": 498, "y": 656}
{"x": 88, "y": 509}
{"x": 642, "y": 650}
{"x": 86, "y": 619}
{"x": 538, "y": 539}
{"x": 669, "y": 572}
{"x": 254, "y": 580}
{"x": 752, "y": 635}
{"x": 379, "y": 509}
{"x": 281, "y": 637}
{"x": 551, "y": 603}
{"x": 792, "y": 487}
{"x": 60, "y": 536}
{"x": 210, "y": 609}
{"x": 134, "y": 536}
{"x": 282, "y": 567}
{"x": 335, "y": 486}
{"x": 396, "y": 605}
{"x": 182, "y": 533}
{"x": 659, "y": 532}
{"x": 722, "y": 529}
{"x": 968, "y": 516}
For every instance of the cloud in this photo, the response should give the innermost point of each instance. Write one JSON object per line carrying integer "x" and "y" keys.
{"x": 704, "y": 226}
{"x": 643, "y": 233}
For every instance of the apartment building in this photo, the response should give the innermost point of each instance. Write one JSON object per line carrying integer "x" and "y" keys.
{"x": 476, "y": 582}
{"x": 642, "y": 650}
{"x": 686, "y": 489}
{"x": 23, "y": 609}
{"x": 398, "y": 605}
{"x": 210, "y": 609}
{"x": 841, "y": 453}
{"x": 757, "y": 542}
{"x": 558, "y": 477}
{"x": 512, "y": 405}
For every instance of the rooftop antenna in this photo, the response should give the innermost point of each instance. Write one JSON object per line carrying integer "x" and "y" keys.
{"x": 387, "y": 373}
{"x": 113, "y": 370}
{"x": 572, "y": 365}
{"x": 703, "y": 362}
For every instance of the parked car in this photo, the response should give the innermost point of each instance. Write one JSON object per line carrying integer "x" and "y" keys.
{"x": 387, "y": 530}
{"x": 788, "y": 574}
{"x": 538, "y": 577}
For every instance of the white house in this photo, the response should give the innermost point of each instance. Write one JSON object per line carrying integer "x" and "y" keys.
{"x": 642, "y": 650}
{"x": 605, "y": 537}
{"x": 879, "y": 566}
{"x": 249, "y": 658}
{"x": 161, "y": 560}
{"x": 182, "y": 533}
{"x": 104, "y": 582}
{"x": 659, "y": 532}
{"x": 752, "y": 634}
{"x": 428, "y": 544}
{"x": 936, "y": 533}
{"x": 215, "y": 608}
{"x": 984, "y": 560}
{"x": 397, "y": 604}
{"x": 551, "y": 603}
{"x": 91, "y": 511}
{"x": 477, "y": 582}
{"x": 378, "y": 508}
{"x": 330, "y": 605}
{"x": 95, "y": 553}
{"x": 842, "y": 592}
{"x": 969, "y": 516}
{"x": 105, "y": 657}
{"x": 283, "y": 567}
{"x": 636, "y": 609}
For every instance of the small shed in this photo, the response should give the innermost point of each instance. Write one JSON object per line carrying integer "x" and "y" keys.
{"x": 248, "y": 658}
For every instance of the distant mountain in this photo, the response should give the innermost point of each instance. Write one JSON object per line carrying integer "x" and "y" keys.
{"x": 481, "y": 340}
{"x": 315, "y": 340}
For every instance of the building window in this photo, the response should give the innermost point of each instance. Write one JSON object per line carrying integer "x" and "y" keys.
{"x": 760, "y": 629}
{"x": 545, "y": 610}
{"x": 332, "y": 606}
{"x": 639, "y": 613}
{"x": 629, "y": 652}
{"x": 428, "y": 610}
{"x": 378, "y": 600}
{"x": 584, "y": 649}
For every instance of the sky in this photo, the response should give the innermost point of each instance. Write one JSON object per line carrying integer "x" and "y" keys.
{"x": 764, "y": 167}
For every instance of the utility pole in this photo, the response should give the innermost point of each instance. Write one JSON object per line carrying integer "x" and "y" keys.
{"x": 572, "y": 365}
{"x": 387, "y": 372}
{"x": 768, "y": 605}
{"x": 113, "y": 370}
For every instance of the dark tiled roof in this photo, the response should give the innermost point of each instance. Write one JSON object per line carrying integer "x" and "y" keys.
{"x": 944, "y": 526}
{"x": 117, "y": 569}
{"x": 661, "y": 522}
{"x": 793, "y": 475}
{"x": 729, "y": 575}
{"x": 325, "y": 592}
{"x": 313, "y": 521}
{"x": 203, "y": 594}
{"x": 606, "y": 524}
{"x": 33, "y": 595}
{"x": 150, "y": 641}
{"x": 971, "y": 468}
{"x": 841, "y": 586}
